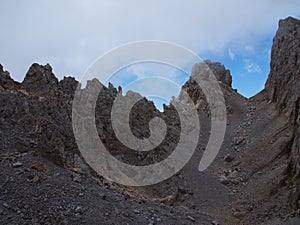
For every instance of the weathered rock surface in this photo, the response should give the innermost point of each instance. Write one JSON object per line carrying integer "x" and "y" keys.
{"x": 283, "y": 87}
{"x": 284, "y": 80}
{"x": 196, "y": 93}
{"x": 37, "y": 114}
{"x": 221, "y": 73}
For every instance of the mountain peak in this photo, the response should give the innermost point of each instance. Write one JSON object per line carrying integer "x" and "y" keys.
{"x": 284, "y": 79}
{"x": 40, "y": 79}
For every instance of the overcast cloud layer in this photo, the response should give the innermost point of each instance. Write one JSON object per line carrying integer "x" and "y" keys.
{"x": 70, "y": 35}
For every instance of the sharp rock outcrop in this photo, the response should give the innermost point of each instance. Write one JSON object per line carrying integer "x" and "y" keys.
{"x": 283, "y": 87}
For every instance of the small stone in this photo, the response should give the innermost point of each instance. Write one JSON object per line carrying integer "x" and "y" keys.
{"x": 5, "y": 205}
{"x": 9, "y": 217}
{"x": 215, "y": 222}
{"x": 239, "y": 214}
{"x": 238, "y": 140}
{"x": 102, "y": 196}
{"x": 191, "y": 218}
{"x": 39, "y": 166}
{"x": 79, "y": 209}
{"x": 232, "y": 174}
{"x": 33, "y": 178}
{"x": 223, "y": 180}
{"x": 76, "y": 177}
{"x": 80, "y": 194}
{"x": 228, "y": 158}
{"x": 17, "y": 164}
{"x": 136, "y": 211}
{"x": 193, "y": 206}
{"x": 235, "y": 181}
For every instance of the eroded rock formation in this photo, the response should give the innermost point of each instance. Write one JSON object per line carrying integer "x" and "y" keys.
{"x": 283, "y": 87}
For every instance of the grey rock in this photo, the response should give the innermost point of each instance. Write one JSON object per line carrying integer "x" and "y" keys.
{"x": 17, "y": 164}
{"x": 282, "y": 87}
{"x": 238, "y": 140}
{"x": 76, "y": 177}
{"x": 136, "y": 211}
{"x": 223, "y": 180}
{"x": 79, "y": 209}
{"x": 191, "y": 218}
{"x": 222, "y": 74}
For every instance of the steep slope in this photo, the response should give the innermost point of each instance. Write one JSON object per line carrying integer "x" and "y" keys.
{"x": 283, "y": 87}
{"x": 255, "y": 179}
{"x": 268, "y": 161}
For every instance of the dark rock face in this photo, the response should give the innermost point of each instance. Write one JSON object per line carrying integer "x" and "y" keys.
{"x": 222, "y": 74}
{"x": 295, "y": 167}
{"x": 43, "y": 105}
{"x": 40, "y": 80}
{"x": 197, "y": 95}
{"x": 284, "y": 79}
{"x": 140, "y": 115}
{"x": 283, "y": 87}
{"x": 36, "y": 114}
{"x": 68, "y": 85}
{"x": 5, "y": 80}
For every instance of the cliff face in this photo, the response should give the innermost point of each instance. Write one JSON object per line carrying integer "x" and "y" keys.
{"x": 35, "y": 114}
{"x": 283, "y": 87}
{"x": 284, "y": 80}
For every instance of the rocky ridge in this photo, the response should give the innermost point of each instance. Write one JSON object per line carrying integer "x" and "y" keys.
{"x": 37, "y": 115}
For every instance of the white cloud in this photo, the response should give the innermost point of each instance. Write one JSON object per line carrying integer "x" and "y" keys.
{"x": 250, "y": 49}
{"x": 155, "y": 86}
{"x": 251, "y": 67}
{"x": 71, "y": 34}
{"x": 148, "y": 69}
{"x": 231, "y": 54}
{"x": 137, "y": 70}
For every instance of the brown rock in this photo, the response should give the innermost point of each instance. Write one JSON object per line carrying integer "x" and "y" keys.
{"x": 228, "y": 158}
{"x": 39, "y": 166}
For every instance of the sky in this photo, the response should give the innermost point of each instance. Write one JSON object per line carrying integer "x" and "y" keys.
{"x": 70, "y": 35}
